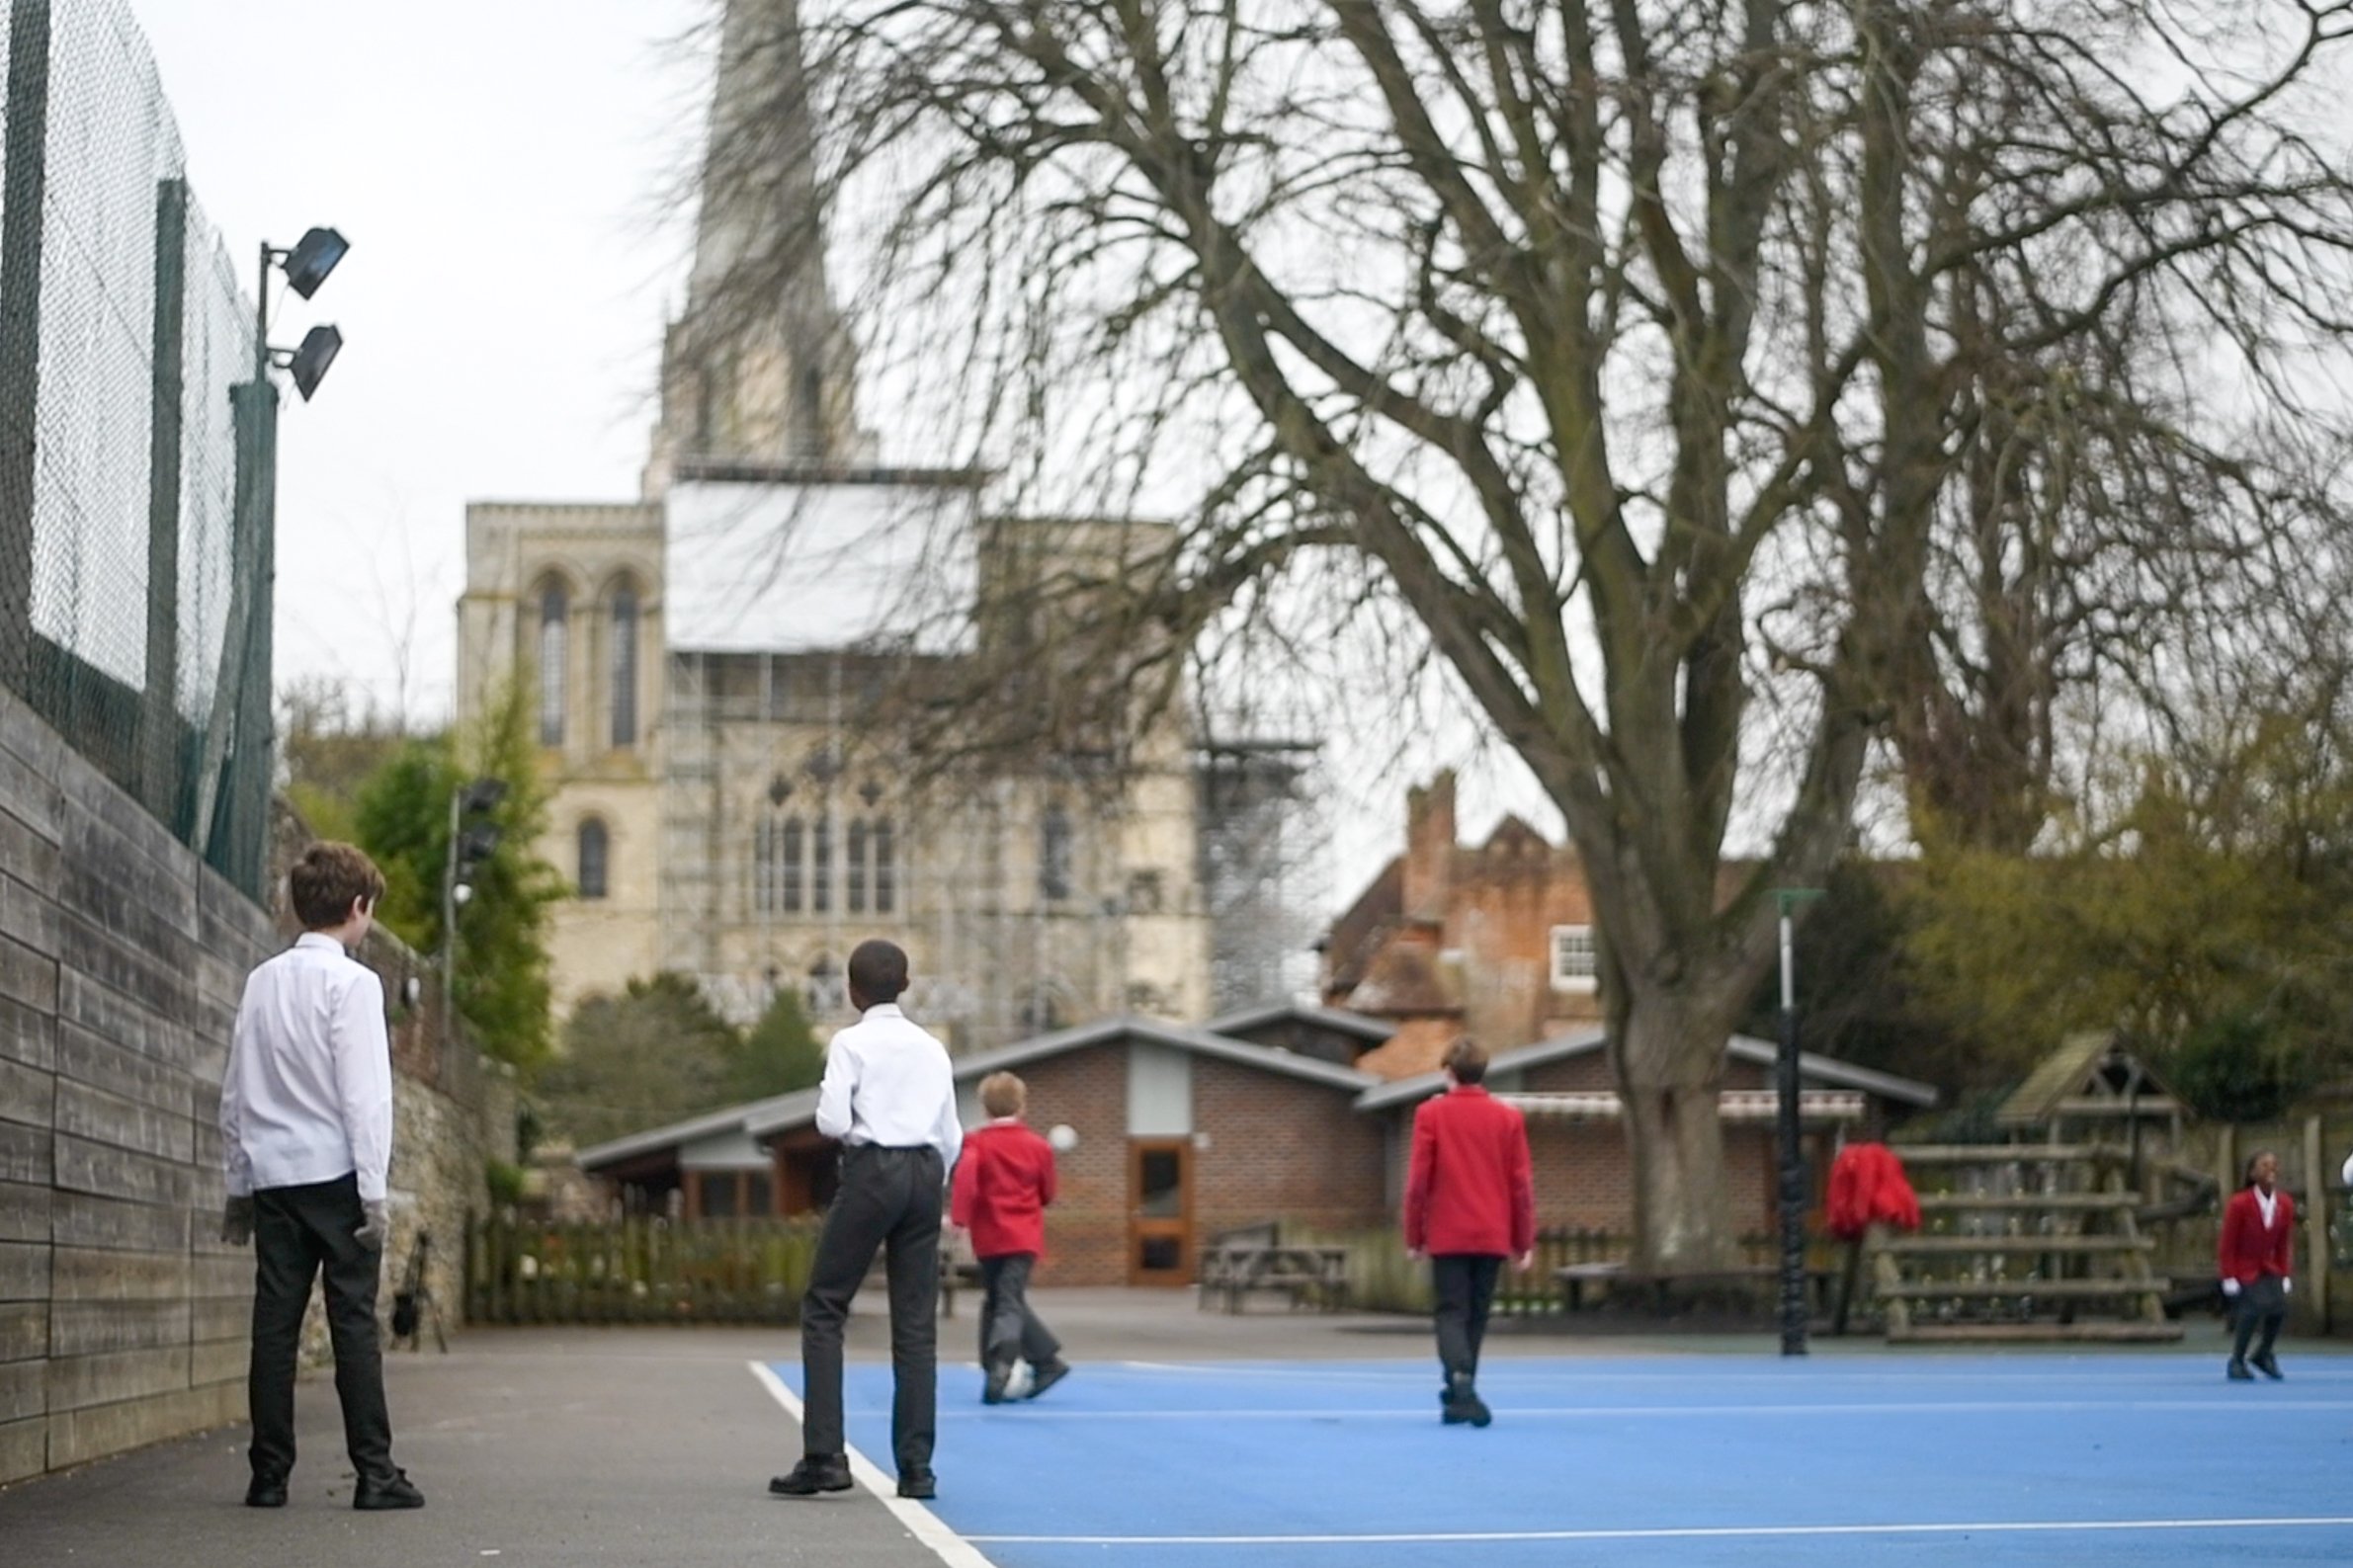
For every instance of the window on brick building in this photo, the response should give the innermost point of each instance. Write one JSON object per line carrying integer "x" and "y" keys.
{"x": 1574, "y": 966}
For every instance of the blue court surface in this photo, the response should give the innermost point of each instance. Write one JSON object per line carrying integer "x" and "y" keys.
{"x": 2124, "y": 1458}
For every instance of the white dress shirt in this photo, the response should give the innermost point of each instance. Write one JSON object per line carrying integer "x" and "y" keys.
{"x": 308, "y": 1094}
{"x": 887, "y": 1082}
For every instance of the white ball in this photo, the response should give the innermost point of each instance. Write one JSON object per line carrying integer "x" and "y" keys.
{"x": 2348, "y": 1171}
{"x": 1017, "y": 1385}
{"x": 1063, "y": 1137}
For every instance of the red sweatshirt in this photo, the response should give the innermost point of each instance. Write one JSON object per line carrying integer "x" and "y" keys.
{"x": 1470, "y": 1189}
{"x": 1004, "y": 1183}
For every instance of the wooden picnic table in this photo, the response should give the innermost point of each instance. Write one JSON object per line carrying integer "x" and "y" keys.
{"x": 1575, "y": 1277}
{"x": 1232, "y": 1270}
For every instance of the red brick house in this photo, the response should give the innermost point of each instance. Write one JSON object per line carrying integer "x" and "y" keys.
{"x": 1493, "y": 939}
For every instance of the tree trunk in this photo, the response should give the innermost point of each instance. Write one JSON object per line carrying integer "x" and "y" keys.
{"x": 1669, "y": 1052}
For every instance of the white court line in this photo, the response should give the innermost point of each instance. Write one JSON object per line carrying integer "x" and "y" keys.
{"x": 1530, "y": 1372}
{"x": 2264, "y": 1408}
{"x": 921, "y": 1523}
{"x": 1682, "y": 1532}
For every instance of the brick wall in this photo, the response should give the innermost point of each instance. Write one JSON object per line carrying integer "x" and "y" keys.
{"x": 1281, "y": 1148}
{"x": 1266, "y": 1146}
{"x": 122, "y": 1319}
{"x": 1584, "y": 1175}
{"x": 1086, "y": 1230}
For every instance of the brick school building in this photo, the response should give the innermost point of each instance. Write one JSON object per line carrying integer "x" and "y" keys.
{"x": 1275, "y": 1113}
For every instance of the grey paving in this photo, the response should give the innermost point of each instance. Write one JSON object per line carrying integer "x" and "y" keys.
{"x": 603, "y": 1448}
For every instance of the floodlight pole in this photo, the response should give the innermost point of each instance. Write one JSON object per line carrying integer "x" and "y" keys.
{"x": 1786, "y": 1119}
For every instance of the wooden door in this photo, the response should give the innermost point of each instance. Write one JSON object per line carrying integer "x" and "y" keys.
{"x": 1160, "y": 1211}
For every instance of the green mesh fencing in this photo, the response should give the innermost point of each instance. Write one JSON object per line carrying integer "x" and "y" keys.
{"x": 137, "y": 445}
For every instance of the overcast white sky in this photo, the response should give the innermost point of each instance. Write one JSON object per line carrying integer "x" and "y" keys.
{"x": 500, "y": 168}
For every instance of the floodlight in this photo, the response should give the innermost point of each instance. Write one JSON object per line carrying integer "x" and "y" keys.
{"x": 309, "y": 364}
{"x": 313, "y": 257}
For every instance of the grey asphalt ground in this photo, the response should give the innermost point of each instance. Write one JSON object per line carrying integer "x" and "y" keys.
{"x": 652, "y": 1446}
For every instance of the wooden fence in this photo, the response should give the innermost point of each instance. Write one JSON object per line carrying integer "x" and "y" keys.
{"x": 636, "y": 1271}
{"x": 1382, "y": 1278}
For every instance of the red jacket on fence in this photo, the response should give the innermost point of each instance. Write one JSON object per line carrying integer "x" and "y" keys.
{"x": 2249, "y": 1249}
{"x": 1004, "y": 1183}
{"x": 1868, "y": 1187}
{"x": 1470, "y": 1188}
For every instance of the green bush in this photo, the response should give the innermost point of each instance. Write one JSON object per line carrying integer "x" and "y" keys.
{"x": 2241, "y": 1067}
{"x": 504, "y": 1181}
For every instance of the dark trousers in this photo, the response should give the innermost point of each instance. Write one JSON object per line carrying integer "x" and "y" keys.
{"x": 1464, "y": 1285}
{"x": 1009, "y": 1331}
{"x": 299, "y": 1232}
{"x": 2261, "y": 1305}
{"x": 889, "y": 1198}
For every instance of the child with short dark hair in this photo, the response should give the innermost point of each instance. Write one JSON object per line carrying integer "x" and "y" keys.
{"x": 1002, "y": 1186}
{"x": 1470, "y": 1204}
{"x": 307, "y": 1138}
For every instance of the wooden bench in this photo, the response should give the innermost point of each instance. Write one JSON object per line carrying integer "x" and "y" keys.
{"x": 955, "y": 1272}
{"x": 1575, "y": 1277}
{"x": 1230, "y": 1271}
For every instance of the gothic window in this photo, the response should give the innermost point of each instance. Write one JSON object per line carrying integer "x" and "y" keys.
{"x": 856, "y": 866}
{"x": 886, "y": 869}
{"x": 595, "y": 856}
{"x": 624, "y": 665}
{"x": 776, "y": 865}
{"x": 1053, "y": 855}
{"x": 820, "y": 892}
{"x": 553, "y": 622}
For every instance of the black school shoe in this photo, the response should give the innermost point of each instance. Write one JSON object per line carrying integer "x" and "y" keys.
{"x": 815, "y": 1473}
{"x": 2267, "y": 1366}
{"x": 2239, "y": 1372}
{"x": 1461, "y": 1406}
{"x": 1046, "y": 1377}
{"x": 994, "y": 1387}
{"x": 921, "y": 1485}
{"x": 383, "y": 1496}
{"x": 266, "y": 1492}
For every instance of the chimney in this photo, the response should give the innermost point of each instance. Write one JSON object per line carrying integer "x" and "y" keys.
{"x": 1430, "y": 848}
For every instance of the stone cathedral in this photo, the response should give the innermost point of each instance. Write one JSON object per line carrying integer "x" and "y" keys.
{"x": 700, "y": 662}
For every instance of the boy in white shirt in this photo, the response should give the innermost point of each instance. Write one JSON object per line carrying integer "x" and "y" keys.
{"x": 305, "y": 1136}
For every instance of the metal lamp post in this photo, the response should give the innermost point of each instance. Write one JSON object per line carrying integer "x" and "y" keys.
{"x": 1786, "y": 1124}
{"x": 468, "y": 847}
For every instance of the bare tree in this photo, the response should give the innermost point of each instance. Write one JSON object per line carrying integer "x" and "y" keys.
{"x": 1714, "y": 383}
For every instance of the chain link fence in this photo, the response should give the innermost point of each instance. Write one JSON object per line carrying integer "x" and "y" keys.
{"x": 136, "y": 440}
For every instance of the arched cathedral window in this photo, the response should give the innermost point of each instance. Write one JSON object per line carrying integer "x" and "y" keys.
{"x": 623, "y": 671}
{"x": 554, "y": 626}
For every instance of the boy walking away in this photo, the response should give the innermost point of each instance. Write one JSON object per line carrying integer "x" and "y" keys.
{"x": 890, "y": 1097}
{"x": 1470, "y": 1203}
{"x": 2256, "y": 1252}
{"x": 1003, "y": 1184}
{"x": 305, "y": 1136}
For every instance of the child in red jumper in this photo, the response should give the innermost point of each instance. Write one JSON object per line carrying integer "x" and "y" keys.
{"x": 1470, "y": 1204}
{"x": 1002, "y": 1186}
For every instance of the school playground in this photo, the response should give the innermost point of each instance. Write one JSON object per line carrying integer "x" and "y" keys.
{"x": 1632, "y": 1460}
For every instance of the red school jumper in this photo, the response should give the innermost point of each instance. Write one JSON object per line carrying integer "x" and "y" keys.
{"x": 2247, "y": 1251}
{"x": 1004, "y": 1183}
{"x": 1470, "y": 1188}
